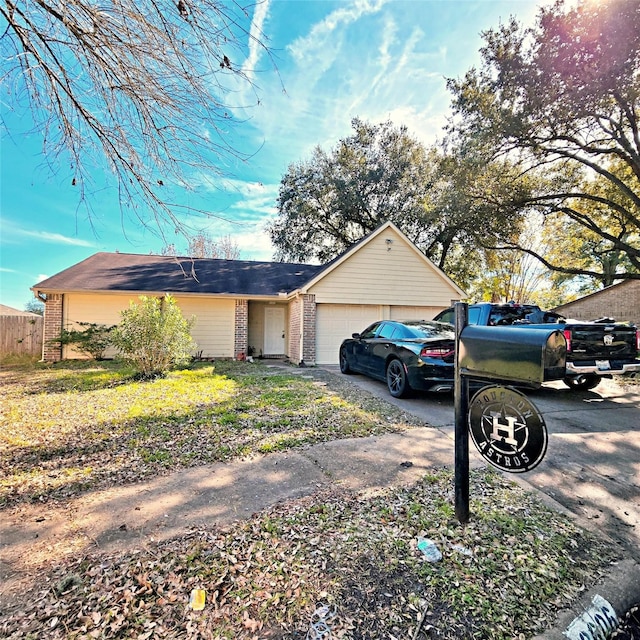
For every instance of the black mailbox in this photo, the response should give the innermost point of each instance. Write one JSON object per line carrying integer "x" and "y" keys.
{"x": 512, "y": 354}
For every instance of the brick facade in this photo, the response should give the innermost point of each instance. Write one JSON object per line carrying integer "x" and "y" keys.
{"x": 309, "y": 329}
{"x": 302, "y": 330}
{"x": 241, "y": 342}
{"x": 619, "y": 301}
{"x": 52, "y": 327}
{"x": 295, "y": 330}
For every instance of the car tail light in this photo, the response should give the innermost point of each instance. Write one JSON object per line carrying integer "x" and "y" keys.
{"x": 436, "y": 352}
{"x": 638, "y": 339}
{"x": 567, "y": 337}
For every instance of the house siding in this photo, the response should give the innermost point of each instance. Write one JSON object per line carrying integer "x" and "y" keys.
{"x": 211, "y": 331}
{"x": 386, "y": 274}
{"x": 214, "y": 319}
{"x": 620, "y": 301}
{"x": 413, "y": 313}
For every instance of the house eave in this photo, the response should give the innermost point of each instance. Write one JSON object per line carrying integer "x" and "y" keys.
{"x": 280, "y": 297}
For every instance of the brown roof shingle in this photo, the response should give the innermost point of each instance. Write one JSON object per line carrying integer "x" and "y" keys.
{"x": 152, "y": 273}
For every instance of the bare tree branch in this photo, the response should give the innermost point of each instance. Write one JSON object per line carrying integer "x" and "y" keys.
{"x": 148, "y": 90}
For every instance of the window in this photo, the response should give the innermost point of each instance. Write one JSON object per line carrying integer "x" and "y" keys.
{"x": 446, "y": 316}
{"x": 370, "y": 331}
{"x": 387, "y": 331}
{"x": 474, "y": 315}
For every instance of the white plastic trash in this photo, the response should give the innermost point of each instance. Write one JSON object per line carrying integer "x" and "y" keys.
{"x": 429, "y": 550}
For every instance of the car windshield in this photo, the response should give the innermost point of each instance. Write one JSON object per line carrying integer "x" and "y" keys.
{"x": 423, "y": 329}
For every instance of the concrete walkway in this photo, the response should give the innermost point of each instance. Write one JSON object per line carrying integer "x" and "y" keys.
{"x": 169, "y": 506}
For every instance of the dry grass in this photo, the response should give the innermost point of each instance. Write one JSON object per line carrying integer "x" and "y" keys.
{"x": 79, "y": 426}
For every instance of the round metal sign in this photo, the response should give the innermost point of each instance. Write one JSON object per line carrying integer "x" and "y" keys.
{"x": 507, "y": 429}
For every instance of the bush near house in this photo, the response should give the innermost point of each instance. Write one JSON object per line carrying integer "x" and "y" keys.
{"x": 93, "y": 340}
{"x": 153, "y": 335}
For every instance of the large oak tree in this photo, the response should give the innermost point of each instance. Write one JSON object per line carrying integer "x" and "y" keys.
{"x": 379, "y": 173}
{"x": 560, "y": 103}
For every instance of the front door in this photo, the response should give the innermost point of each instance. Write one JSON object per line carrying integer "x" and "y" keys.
{"x": 273, "y": 331}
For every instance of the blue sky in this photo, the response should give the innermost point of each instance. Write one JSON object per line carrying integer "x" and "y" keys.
{"x": 373, "y": 59}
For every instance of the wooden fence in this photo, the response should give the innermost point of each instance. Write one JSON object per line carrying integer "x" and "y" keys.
{"x": 21, "y": 335}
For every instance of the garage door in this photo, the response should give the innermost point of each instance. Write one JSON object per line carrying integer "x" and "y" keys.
{"x": 414, "y": 313}
{"x": 335, "y": 322}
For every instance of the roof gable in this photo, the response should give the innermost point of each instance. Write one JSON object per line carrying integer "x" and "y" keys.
{"x": 358, "y": 246}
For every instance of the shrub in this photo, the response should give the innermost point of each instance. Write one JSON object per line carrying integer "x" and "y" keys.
{"x": 154, "y": 335}
{"x": 93, "y": 340}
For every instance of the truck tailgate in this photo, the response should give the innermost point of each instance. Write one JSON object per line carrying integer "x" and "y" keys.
{"x": 602, "y": 341}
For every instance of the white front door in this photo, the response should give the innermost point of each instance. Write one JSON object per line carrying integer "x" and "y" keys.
{"x": 273, "y": 331}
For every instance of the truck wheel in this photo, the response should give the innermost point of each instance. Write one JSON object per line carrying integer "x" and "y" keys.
{"x": 582, "y": 382}
{"x": 344, "y": 363}
{"x": 397, "y": 382}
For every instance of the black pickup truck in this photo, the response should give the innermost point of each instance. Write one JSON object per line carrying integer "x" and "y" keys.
{"x": 595, "y": 350}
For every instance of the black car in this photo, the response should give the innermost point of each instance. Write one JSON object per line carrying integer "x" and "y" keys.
{"x": 416, "y": 354}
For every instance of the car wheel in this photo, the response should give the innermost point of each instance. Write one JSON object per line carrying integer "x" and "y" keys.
{"x": 397, "y": 379}
{"x": 582, "y": 382}
{"x": 344, "y": 363}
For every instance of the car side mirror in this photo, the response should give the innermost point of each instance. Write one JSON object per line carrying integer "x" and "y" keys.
{"x": 355, "y": 336}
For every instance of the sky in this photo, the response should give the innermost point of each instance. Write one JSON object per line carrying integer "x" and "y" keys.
{"x": 377, "y": 60}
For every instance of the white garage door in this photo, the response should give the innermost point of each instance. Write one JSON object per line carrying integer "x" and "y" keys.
{"x": 414, "y": 313}
{"x": 335, "y": 322}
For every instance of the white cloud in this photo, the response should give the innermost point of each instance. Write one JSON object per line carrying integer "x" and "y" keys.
{"x": 314, "y": 45}
{"x": 57, "y": 238}
{"x": 255, "y": 244}
{"x": 256, "y": 35}
{"x": 12, "y": 230}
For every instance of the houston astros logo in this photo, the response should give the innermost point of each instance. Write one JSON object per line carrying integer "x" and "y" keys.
{"x": 507, "y": 429}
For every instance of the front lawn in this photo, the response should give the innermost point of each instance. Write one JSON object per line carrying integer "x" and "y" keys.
{"x": 336, "y": 564}
{"x": 82, "y": 425}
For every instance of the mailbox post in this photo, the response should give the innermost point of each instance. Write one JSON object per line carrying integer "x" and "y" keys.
{"x": 461, "y": 411}
{"x": 507, "y": 429}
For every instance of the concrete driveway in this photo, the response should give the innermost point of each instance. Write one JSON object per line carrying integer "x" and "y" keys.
{"x": 592, "y": 464}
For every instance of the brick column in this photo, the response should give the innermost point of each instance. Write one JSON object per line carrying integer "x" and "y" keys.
{"x": 241, "y": 341}
{"x": 309, "y": 329}
{"x": 295, "y": 331}
{"x": 52, "y": 327}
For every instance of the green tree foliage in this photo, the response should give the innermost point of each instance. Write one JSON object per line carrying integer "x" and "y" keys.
{"x": 510, "y": 274}
{"x": 581, "y": 247}
{"x": 331, "y": 201}
{"x": 463, "y": 219}
{"x": 154, "y": 335}
{"x": 560, "y": 104}
{"x": 378, "y": 173}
